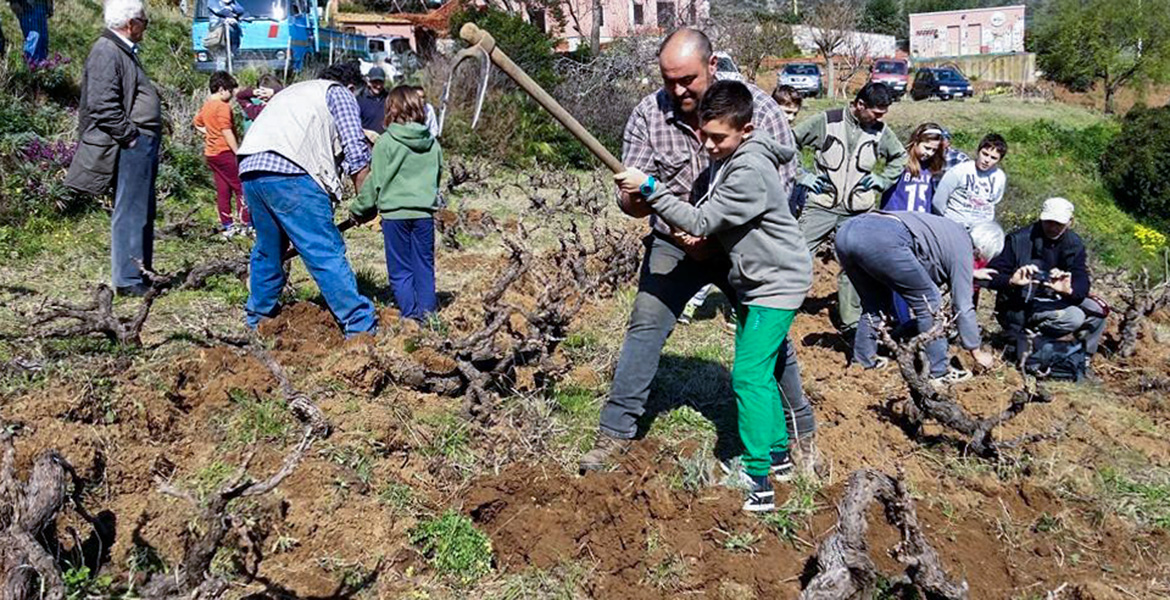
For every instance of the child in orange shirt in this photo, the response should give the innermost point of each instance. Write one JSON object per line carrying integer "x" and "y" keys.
{"x": 215, "y": 122}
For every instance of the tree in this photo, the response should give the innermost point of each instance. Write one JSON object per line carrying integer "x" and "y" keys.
{"x": 831, "y": 22}
{"x": 883, "y": 16}
{"x": 752, "y": 38}
{"x": 1114, "y": 43}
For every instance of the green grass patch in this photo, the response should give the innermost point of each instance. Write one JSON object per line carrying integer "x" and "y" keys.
{"x": 454, "y": 546}
{"x": 576, "y": 401}
{"x": 1141, "y": 496}
{"x": 788, "y": 518}
{"x": 256, "y": 418}
{"x": 211, "y": 476}
{"x": 400, "y": 498}
{"x": 447, "y": 436}
{"x": 81, "y": 583}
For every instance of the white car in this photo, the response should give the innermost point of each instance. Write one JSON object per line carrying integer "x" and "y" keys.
{"x": 725, "y": 68}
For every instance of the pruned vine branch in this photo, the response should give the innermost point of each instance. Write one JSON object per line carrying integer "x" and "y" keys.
{"x": 844, "y": 567}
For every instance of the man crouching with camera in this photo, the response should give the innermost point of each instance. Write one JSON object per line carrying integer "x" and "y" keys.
{"x": 1042, "y": 283}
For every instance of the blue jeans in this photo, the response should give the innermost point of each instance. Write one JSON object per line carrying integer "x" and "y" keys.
{"x": 132, "y": 224}
{"x": 410, "y": 262}
{"x": 877, "y": 252}
{"x": 294, "y": 209}
{"x": 668, "y": 279}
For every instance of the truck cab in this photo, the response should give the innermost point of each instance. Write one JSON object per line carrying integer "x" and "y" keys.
{"x": 394, "y": 55}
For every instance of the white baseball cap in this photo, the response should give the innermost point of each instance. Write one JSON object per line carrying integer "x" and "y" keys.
{"x": 1057, "y": 209}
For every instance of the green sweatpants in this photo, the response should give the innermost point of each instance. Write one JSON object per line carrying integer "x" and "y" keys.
{"x": 759, "y": 332}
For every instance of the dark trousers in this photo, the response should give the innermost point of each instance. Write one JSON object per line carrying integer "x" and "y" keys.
{"x": 132, "y": 224}
{"x": 668, "y": 279}
{"x": 36, "y": 18}
{"x": 225, "y": 170}
{"x": 410, "y": 263}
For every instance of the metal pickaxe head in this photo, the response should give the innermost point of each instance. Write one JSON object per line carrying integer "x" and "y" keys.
{"x": 482, "y": 51}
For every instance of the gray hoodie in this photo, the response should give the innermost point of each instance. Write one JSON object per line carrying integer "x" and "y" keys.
{"x": 743, "y": 202}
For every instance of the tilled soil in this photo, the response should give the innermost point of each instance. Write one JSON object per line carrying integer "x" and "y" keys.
{"x": 1011, "y": 530}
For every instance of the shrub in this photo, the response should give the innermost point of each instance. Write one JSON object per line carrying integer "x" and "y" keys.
{"x": 529, "y": 47}
{"x": 454, "y": 546}
{"x": 1136, "y": 165}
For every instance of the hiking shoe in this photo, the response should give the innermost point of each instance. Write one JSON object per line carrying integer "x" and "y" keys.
{"x": 782, "y": 468}
{"x": 604, "y": 449}
{"x": 760, "y": 496}
{"x": 808, "y": 460}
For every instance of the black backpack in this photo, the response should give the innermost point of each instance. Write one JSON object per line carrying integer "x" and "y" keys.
{"x": 1057, "y": 360}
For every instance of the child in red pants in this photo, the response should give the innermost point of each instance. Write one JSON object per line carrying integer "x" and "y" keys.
{"x": 215, "y": 122}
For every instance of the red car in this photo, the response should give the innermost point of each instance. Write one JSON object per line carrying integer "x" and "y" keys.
{"x": 893, "y": 72}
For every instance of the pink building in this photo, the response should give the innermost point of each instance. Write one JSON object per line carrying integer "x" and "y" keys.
{"x": 995, "y": 30}
{"x": 620, "y": 18}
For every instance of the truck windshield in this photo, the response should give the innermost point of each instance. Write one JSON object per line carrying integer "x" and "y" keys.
{"x": 276, "y": 10}
{"x": 801, "y": 69}
{"x": 949, "y": 75}
{"x": 890, "y": 67}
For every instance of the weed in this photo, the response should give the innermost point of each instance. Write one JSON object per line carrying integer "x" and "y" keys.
{"x": 145, "y": 559}
{"x": 448, "y": 436}
{"x": 740, "y": 541}
{"x": 667, "y": 574}
{"x": 256, "y": 419}
{"x": 695, "y": 470}
{"x": 352, "y": 574}
{"x": 782, "y": 523}
{"x": 800, "y": 505}
{"x": 80, "y": 583}
{"x": 356, "y": 460}
{"x": 210, "y": 477}
{"x": 681, "y": 421}
{"x": 561, "y": 583}
{"x": 574, "y": 400}
{"x": 1047, "y": 523}
{"x": 284, "y": 543}
{"x": 454, "y": 546}
{"x": 1144, "y": 498}
{"x": 226, "y": 562}
{"x": 399, "y": 497}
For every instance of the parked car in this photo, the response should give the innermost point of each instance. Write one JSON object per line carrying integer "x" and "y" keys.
{"x": 726, "y": 67}
{"x": 804, "y": 77}
{"x": 944, "y": 83}
{"x": 893, "y": 72}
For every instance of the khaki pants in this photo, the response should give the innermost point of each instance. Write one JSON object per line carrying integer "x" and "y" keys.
{"x": 818, "y": 224}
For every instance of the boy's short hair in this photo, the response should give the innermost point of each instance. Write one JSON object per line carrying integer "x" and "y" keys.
{"x": 875, "y": 95}
{"x": 404, "y": 105}
{"x": 270, "y": 81}
{"x": 786, "y": 95}
{"x": 221, "y": 80}
{"x": 727, "y": 100}
{"x": 996, "y": 141}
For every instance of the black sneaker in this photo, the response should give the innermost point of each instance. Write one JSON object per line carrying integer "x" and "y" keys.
{"x": 782, "y": 468}
{"x": 761, "y": 497}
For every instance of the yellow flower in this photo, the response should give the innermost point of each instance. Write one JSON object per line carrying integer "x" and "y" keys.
{"x": 1149, "y": 239}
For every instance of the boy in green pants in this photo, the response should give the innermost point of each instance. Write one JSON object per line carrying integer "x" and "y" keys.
{"x": 743, "y": 202}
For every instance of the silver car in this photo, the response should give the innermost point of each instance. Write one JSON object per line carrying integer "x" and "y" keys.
{"x": 804, "y": 77}
{"x": 726, "y": 68}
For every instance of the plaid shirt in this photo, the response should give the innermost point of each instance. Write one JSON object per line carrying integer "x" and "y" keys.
{"x": 660, "y": 144}
{"x": 346, "y": 116}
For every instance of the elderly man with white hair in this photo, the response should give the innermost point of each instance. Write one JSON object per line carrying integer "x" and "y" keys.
{"x": 1042, "y": 282}
{"x": 913, "y": 254}
{"x": 119, "y": 125}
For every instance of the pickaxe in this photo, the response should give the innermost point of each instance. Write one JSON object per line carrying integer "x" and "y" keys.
{"x": 483, "y": 46}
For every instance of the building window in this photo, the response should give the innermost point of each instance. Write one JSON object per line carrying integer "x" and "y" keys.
{"x": 665, "y": 15}
{"x": 536, "y": 17}
{"x": 639, "y": 17}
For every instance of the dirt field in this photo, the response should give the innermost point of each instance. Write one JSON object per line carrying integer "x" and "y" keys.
{"x": 1082, "y": 514}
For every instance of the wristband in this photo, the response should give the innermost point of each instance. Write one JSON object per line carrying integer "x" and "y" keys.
{"x": 647, "y": 189}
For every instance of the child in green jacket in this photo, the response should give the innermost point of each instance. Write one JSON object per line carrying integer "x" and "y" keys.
{"x": 403, "y": 185}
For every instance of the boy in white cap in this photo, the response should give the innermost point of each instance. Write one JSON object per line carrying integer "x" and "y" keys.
{"x": 1042, "y": 282}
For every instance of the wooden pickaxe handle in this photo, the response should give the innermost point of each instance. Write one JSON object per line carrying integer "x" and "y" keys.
{"x": 478, "y": 37}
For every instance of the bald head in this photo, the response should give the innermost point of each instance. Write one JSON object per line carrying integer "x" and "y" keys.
{"x": 687, "y": 42}
{"x": 688, "y": 68}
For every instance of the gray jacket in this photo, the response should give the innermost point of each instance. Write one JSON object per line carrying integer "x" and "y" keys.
{"x": 118, "y": 102}
{"x": 743, "y": 202}
{"x": 945, "y": 251}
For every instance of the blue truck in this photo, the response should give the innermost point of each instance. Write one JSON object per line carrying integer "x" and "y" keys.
{"x": 277, "y": 35}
